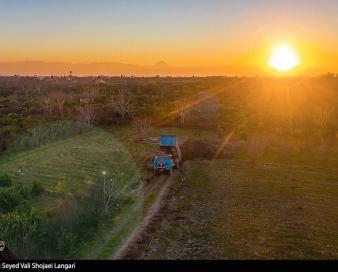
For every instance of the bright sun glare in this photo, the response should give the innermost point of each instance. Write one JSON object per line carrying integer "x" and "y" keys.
{"x": 283, "y": 58}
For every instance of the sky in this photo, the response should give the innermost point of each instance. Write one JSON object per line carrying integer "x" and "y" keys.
{"x": 179, "y": 32}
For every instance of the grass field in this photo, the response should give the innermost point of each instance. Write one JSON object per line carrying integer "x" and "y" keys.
{"x": 79, "y": 161}
{"x": 76, "y": 160}
{"x": 229, "y": 209}
{"x": 237, "y": 210}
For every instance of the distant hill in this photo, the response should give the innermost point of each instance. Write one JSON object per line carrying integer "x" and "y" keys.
{"x": 161, "y": 68}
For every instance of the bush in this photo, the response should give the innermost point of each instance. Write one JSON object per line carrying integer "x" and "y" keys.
{"x": 46, "y": 134}
{"x": 5, "y": 181}
{"x": 18, "y": 229}
{"x": 60, "y": 188}
{"x": 37, "y": 189}
{"x": 243, "y": 135}
{"x": 10, "y": 197}
{"x": 196, "y": 149}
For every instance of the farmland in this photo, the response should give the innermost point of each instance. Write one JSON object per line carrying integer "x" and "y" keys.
{"x": 168, "y": 130}
{"x": 258, "y": 182}
{"x": 235, "y": 210}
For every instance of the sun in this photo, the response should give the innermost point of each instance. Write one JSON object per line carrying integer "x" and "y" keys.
{"x": 283, "y": 58}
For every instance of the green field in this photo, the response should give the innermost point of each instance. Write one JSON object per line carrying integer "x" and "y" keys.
{"x": 233, "y": 209}
{"x": 223, "y": 209}
{"x": 79, "y": 161}
{"x": 76, "y": 160}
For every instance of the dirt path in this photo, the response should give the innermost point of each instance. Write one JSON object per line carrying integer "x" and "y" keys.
{"x": 94, "y": 254}
{"x": 142, "y": 233}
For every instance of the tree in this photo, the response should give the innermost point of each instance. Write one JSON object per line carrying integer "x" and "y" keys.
{"x": 323, "y": 116}
{"x": 87, "y": 108}
{"x": 110, "y": 193}
{"x": 122, "y": 103}
{"x": 87, "y": 112}
{"x": 181, "y": 109}
{"x": 60, "y": 99}
{"x": 47, "y": 105}
{"x": 142, "y": 126}
{"x": 90, "y": 92}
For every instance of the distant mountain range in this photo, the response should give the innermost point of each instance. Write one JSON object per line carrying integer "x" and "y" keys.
{"x": 161, "y": 68}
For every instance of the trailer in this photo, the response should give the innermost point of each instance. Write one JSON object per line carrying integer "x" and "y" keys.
{"x": 169, "y": 145}
{"x": 170, "y": 155}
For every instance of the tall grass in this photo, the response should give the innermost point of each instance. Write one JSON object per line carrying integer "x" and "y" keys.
{"x": 46, "y": 134}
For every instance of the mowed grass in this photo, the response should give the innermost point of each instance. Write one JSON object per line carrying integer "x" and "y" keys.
{"x": 238, "y": 210}
{"x": 75, "y": 160}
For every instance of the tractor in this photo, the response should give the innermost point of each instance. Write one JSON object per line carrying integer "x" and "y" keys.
{"x": 170, "y": 155}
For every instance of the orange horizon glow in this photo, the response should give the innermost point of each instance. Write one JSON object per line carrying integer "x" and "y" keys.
{"x": 214, "y": 39}
{"x": 312, "y": 58}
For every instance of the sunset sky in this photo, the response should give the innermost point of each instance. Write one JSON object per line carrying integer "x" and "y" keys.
{"x": 181, "y": 32}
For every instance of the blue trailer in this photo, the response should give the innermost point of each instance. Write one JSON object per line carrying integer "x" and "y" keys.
{"x": 170, "y": 156}
{"x": 169, "y": 145}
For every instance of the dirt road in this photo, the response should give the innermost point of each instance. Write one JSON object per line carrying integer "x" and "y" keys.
{"x": 142, "y": 234}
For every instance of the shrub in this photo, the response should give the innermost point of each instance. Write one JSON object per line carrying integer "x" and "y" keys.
{"x": 5, "y": 181}
{"x": 60, "y": 188}
{"x": 10, "y": 197}
{"x": 46, "y": 134}
{"x": 196, "y": 149}
{"x": 67, "y": 241}
{"x": 37, "y": 189}
{"x": 18, "y": 229}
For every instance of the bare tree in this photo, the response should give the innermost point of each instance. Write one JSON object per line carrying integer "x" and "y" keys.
{"x": 90, "y": 92}
{"x": 87, "y": 108}
{"x": 87, "y": 112}
{"x": 47, "y": 105}
{"x": 142, "y": 125}
{"x": 323, "y": 117}
{"x": 122, "y": 103}
{"x": 110, "y": 193}
{"x": 60, "y": 99}
{"x": 181, "y": 108}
